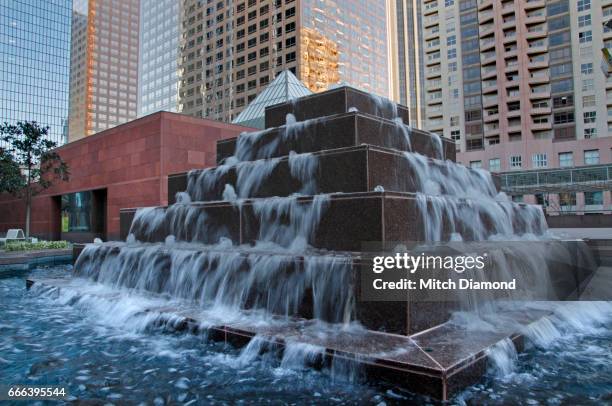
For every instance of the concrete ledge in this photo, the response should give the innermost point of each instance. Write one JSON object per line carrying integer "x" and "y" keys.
{"x": 25, "y": 260}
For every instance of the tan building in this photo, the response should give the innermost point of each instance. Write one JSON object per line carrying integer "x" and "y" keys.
{"x": 519, "y": 85}
{"x": 104, "y": 65}
{"x": 232, "y": 50}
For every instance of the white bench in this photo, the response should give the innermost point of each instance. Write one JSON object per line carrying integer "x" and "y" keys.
{"x": 13, "y": 234}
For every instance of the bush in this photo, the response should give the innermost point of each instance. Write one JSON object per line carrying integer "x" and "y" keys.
{"x": 41, "y": 245}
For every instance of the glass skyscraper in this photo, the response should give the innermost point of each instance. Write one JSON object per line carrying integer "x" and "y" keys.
{"x": 35, "y": 63}
{"x": 158, "y": 74}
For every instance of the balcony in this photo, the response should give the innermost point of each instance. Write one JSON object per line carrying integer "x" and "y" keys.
{"x": 489, "y": 86}
{"x": 489, "y": 71}
{"x": 539, "y": 79}
{"x": 540, "y": 111}
{"x": 514, "y": 113}
{"x": 538, "y": 63}
{"x": 486, "y": 30}
{"x": 490, "y": 118}
{"x": 534, "y": 4}
{"x": 537, "y": 47}
{"x": 485, "y": 16}
{"x": 509, "y": 37}
{"x": 541, "y": 126}
{"x": 540, "y": 94}
{"x": 489, "y": 101}
{"x": 509, "y": 23}
{"x": 431, "y": 34}
{"x": 492, "y": 132}
{"x": 487, "y": 58}
{"x": 534, "y": 33}
{"x": 434, "y": 85}
{"x": 433, "y": 73}
{"x": 535, "y": 19}
{"x": 487, "y": 43}
{"x": 483, "y": 4}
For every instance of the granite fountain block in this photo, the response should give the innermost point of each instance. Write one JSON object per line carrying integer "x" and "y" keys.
{"x": 339, "y": 131}
{"x": 335, "y": 101}
{"x": 348, "y": 170}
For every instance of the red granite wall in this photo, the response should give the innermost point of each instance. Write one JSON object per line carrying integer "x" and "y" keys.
{"x": 131, "y": 161}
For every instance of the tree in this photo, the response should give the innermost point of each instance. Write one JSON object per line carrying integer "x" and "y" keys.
{"x": 10, "y": 174}
{"x": 39, "y": 166}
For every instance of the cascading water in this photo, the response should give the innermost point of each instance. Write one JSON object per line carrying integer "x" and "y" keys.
{"x": 186, "y": 257}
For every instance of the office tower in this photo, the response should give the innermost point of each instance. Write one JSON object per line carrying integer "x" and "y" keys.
{"x": 406, "y": 56}
{"x": 520, "y": 85}
{"x": 158, "y": 57}
{"x": 104, "y": 65}
{"x": 232, "y": 49}
{"x": 35, "y": 63}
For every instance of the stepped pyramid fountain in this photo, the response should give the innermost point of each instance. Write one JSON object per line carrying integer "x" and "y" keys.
{"x": 267, "y": 247}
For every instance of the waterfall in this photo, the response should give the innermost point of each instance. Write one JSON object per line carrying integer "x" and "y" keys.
{"x": 502, "y": 357}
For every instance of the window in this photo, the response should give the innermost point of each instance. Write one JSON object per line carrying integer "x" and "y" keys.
{"x": 564, "y": 118}
{"x": 584, "y": 37}
{"x": 566, "y": 159}
{"x": 586, "y": 68}
{"x": 452, "y": 67}
{"x": 516, "y": 161}
{"x": 567, "y": 199}
{"x": 454, "y": 120}
{"x": 449, "y": 3}
{"x": 475, "y": 164}
{"x": 495, "y": 165}
{"x": 590, "y": 133}
{"x": 591, "y": 157}
{"x": 589, "y": 116}
{"x": 455, "y": 135}
{"x": 588, "y": 101}
{"x": 584, "y": 5}
{"x": 593, "y": 198}
{"x": 451, "y": 40}
{"x": 451, "y": 53}
{"x": 584, "y": 21}
{"x": 539, "y": 160}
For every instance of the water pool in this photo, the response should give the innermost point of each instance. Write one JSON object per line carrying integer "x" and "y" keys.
{"x": 43, "y": 341}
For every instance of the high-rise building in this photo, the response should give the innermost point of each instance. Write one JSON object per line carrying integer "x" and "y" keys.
{"x": 519, "y": 85}
{"x": 35, "y": 63}
{"x": 104, "y": 65}
{"x": 406, "y": 57}
{"x": 232, "y": 49}
{"x": 158, "y": 74}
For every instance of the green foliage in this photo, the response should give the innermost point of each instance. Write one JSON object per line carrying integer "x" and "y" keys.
{"x": 11, "y": 178}
{"x": 32, "y": 152}
{"x": 40, "y": 245}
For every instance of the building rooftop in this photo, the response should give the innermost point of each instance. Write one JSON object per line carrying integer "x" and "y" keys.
{"x": 283, "y": 88}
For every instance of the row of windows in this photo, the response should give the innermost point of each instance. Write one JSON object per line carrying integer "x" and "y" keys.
{"x": 540, "y": 160}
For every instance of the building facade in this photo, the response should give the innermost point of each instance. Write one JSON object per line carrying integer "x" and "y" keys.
{"x": 407, "y": 59}
{"x": 122, "y": 167}
{"x": 519, "y": 86}
{"x": 231, "y": 50}
{"x": 35, "y": 63}
{"x": 158, "y": 75}
{"x": 104, "y": 65}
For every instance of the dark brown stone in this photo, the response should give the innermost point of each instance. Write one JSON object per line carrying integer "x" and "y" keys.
{"x": 339, "y": 100}
{"x": 339, "y": 131}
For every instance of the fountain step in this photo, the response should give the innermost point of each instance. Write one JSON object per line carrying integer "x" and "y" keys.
{"x": 256, "y": 278}
{"x": 340, "y": 100}
{"x": 342, "y": 130}
{"x": 352, "y": 169}
{"x": 438, "y": 362}
{"x": 346, "y": 220}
